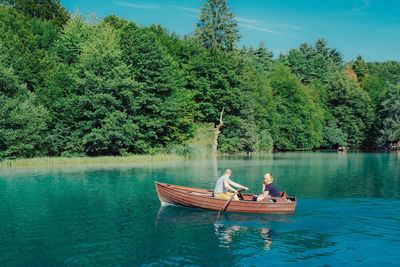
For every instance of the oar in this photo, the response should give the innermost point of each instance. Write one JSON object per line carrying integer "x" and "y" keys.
{"x": 228, "y": 202}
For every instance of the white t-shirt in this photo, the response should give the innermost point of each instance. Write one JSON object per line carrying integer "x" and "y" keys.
{"x": 220, "y": 185}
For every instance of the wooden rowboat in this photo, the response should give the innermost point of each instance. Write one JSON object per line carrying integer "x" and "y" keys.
{"x": 203, "y": 199}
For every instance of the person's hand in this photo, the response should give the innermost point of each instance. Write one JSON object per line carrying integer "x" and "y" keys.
{"x": 246, "y": 188}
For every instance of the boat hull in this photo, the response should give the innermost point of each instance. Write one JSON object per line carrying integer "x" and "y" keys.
{"x": 203, "y": 199}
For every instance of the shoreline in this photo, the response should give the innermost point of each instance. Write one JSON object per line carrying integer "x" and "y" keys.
{"x": 100, "y": 160}
{"x": 63, "y": 161}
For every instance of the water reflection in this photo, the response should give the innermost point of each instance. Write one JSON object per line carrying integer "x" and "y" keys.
{"x": 267, "y": 234}
{"x": 231, "y": 234}
{"x": 231, "y": 230}
{"x": 226, "y": 233}
{"x": 182, "y": 215}
{"x": 111, "y": 216}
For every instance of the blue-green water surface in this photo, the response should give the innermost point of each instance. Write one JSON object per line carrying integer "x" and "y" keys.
{"x": 347, "y": 214}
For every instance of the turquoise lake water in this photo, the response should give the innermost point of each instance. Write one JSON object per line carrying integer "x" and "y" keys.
{"x": 348, "y": 213}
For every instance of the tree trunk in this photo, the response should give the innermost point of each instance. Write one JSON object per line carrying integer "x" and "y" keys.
{"x": 215, "y": 145}
{"x": 216, "y": 133}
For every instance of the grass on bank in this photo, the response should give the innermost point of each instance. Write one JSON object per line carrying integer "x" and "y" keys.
{"x": 55, "y": 161}
{"x": 199, "y": 146}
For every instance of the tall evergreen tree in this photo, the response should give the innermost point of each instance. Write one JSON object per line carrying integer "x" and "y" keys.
{"x": 360, "y": 67}
{"x": 217, "y": 27}
{"x": 309, "y": 63}
{"x": 263, "y": 58}
{"x": 297, "y": 62}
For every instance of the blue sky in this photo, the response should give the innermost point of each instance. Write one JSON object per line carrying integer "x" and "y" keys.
{"x": 370, "y": 28}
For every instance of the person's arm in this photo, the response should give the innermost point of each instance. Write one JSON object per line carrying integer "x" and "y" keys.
{"x": 262, "y": 196}
{"x": 226, "y": 184}
{"x": 238, "y": 185}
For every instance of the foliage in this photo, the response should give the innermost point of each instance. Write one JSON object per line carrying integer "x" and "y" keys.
{"x": 22, "y": 122}
{"x": 27, "y": 42}
{"x": 388, "y": 71}
{"x": 160, "y": 108}
{"x": 198, "y": 146}
{"x": 352, "y": 106}
{"x": 217, "y": 28}
{"x": 84, "y": 86}
{"x": 360, "y": 67}
{"x": 99, "y": 94}
{"x": 261, "y": 58}
{"x": 391, "y": 115}
{"x": 309, "y": 62}
{"x": 47, "y": 10}
{"x": 297, "y": 121}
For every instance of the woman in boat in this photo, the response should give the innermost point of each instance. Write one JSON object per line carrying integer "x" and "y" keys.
{"x": 269, "y": 189}
{"x": 224, "y": 183}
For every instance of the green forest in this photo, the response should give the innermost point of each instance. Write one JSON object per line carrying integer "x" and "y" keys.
{"x": 83, "y": 86}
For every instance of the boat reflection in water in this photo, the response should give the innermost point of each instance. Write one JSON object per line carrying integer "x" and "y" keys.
{"x": 231, "y": 229}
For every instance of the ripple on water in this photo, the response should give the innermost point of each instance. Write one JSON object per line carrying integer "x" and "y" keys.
{"x": 111, "y": 216}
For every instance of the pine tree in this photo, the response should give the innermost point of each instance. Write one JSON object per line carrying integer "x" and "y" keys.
{"x": 263, "y": 58}
{"x": 217, "y": 27}
{"x": 360, "y": 67}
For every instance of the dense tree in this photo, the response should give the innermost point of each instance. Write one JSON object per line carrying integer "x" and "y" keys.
{"x": 48, "y": 10}
{"x": 259, "y": 97}
{"x": 262, "y": 58}
{"x": 389, "y": 71}
{"x": 217, "y": 27}
{"x": 336, "y": 59}
{"x": 309, "y": 63}
{"x": 27, "y": 42}
{"x": 23, "y": 129}
{"x": 391, "y": 115}
{"x": 100, "y": 94}
{"x": 376, "y": 88}
{"x": 159, "y": 100}
{"x": 297, "y": 123}
{"x": 115, "y": 22}
{"x": 69, "y": 46}
{"x": 360, "y": 67}
{"x": 215, "y": 81}
{"x": 112, "y": 87}
{"x": 352, "y": 106}
{"x": 22, "y": 122}
{"x": 297, "y": 61}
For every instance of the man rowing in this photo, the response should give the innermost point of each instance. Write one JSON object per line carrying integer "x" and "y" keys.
{"x": 224, "y": 183}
